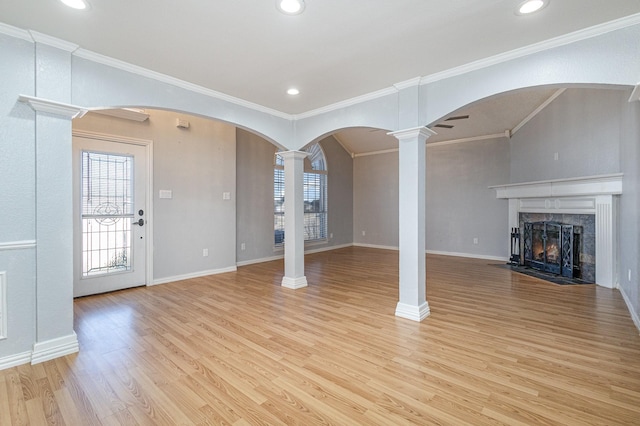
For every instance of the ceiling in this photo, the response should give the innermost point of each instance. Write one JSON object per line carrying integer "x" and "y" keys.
{"x": 334, "y": 51}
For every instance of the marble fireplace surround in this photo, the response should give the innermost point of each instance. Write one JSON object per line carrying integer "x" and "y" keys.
{"x": 597, "y": 195}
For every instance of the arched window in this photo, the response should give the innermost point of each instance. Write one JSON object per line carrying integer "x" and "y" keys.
{"x": 315, "y": 196}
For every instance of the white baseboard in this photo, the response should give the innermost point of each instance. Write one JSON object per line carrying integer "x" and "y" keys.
{"x": 294, "y": 283}
{"x": 634, "y": 314}
{"x": 468, "y": 255}
{"x": 261, "y": 260}
{"x": 411, "y": 312}
{"x": 281, "y": 256}
{"x": 194, "y": 275}
{"x": 54, "y": 348}
{"x": 15, "y": 360}
{"x": 375, "y": 246}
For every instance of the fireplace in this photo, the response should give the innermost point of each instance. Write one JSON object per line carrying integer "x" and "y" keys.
{"x": 553, "y": 247}
{"x": 591, "y": 199}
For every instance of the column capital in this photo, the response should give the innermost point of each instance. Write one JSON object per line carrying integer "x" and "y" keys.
{"x": 419, "y": 132}
{"x": 53, "y": 107}
{"x": 293, "y": 154}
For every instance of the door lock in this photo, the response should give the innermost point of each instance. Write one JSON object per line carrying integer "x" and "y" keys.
{"x": 139, "y": 222}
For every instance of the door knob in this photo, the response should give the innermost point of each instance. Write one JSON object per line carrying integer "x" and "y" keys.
{"x": 139, "y": 222}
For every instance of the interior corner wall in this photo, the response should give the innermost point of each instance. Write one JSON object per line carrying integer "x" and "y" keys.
{"x": 375, "y": 200}
{"x": 629, "y": 225}
{"x": 255, "y": 197}
{"x": 460, "y": 206}
{"x": 582, "y": 126}
{"x": 197, "y": 164}
{"x": 18, "y": 195}
{"x": 340, "y": 192}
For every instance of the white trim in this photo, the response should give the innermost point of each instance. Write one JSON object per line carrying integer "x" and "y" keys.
{"x": 413, "y": 313}
{"x": 562, "y": 40}
{"x": 53, "y": 41}
{"x": 376, "y": 246}
{"x": 53, "y": 107}
{"x": 382, "y": 151}
{"x": 346, "y": 103}
{"x": 537, "y": 111}
{"x": 261, "y": 260}
{"x": 467, "y": 255}
{"x": 281, "y": 256}
{"x": 634, "y": 314}
{"x": 15, "y": 360}
{"x": 610, "y": 184}
{"x": 470, "y": 139}
{"x": 148, "y": 144}
{"x": 18, "y": 245}
{"x": 143, "y": 72}
{"x": 294, "y": 283}
{"x": 133, "y": 114}
{"x": 635, "y": 94}
{"x": 413, "y": 82}
{"x": 3, "y": 305}
{"x": 54, "y": 348}
{"x": 16, "y": 32}
{"x": 194, "y": 275}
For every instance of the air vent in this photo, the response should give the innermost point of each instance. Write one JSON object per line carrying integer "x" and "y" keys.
{"x": 444, "y": 126}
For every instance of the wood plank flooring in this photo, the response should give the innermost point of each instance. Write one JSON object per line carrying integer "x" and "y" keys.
{"x": 238, "y": 349}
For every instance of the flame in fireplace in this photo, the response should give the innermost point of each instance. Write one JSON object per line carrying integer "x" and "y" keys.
{"x": 553, "y": 252}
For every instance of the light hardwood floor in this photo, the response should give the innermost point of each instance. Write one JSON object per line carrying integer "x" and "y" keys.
{"x": 236, "y": 348}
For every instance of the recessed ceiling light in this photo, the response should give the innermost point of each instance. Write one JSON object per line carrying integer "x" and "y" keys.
{"x": 293, "y": 91}
{"x": 290, "y": 7}
{"x": 531, "y": 6}
{"x": 76, "y": 4}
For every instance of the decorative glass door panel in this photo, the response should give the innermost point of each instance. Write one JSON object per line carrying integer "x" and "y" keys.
{"x": 107, "y": 213}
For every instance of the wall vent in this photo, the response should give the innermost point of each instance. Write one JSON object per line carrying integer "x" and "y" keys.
{"x": 3, "y": 305}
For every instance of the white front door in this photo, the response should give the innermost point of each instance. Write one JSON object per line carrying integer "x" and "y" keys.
{"x": 110, "y": 215}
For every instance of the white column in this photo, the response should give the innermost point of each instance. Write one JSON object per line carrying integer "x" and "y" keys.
{"x": 412, "y": 150}
{"x": 294, "y": 219}
{"x": 605, "y": 242}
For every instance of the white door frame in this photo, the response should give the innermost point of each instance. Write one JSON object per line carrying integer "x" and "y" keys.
{"x": 148, "y": 145}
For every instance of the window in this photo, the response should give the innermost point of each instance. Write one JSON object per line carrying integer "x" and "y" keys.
{"x": 315, "y": 197}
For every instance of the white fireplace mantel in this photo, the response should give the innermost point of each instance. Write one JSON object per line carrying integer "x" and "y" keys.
{"x": 595, "y": 195}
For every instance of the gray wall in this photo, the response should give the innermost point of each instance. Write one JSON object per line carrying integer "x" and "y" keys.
{"x": 375, "y": 200}
{"x": 198, "y": 164}
{"x": 255, "y": 197}
{"x": 17, "y": 194}
{"x": 460, "y": 205}
{"x": 582, "y": 126}
{"x": 629, "y": 226}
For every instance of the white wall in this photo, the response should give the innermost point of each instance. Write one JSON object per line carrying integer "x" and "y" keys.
{"x": 197, "y": 164}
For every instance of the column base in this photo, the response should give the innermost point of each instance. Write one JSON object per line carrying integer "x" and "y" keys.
{"x": 294, "y": 283}
{"x": 55, "y": 348}
{"x": 412, "y": 312}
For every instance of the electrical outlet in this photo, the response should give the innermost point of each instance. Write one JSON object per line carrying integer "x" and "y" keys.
{"x": 243, "y": 246}
{"x": 475, "y": 240}
{"x": 364, "y": 233}
{"x": 205, "y": 252}
{"x": 629, "y": 275}
{"x": 556, "y": 156}
{"x": 331, "y": 236}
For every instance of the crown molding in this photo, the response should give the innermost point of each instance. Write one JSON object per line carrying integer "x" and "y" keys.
{"x": 53, "y": 107}
{"x": 53, "y": 41}
{"x": 562, "y": 40}
{"x": 346, "y": 103}
{"x": 407, "y": 83}
{"x": 536, "y": 111}
{"x": 132, "y": 114}
{"x": 143, "y": 72}
{"x": 15, "y": 32}
{"x": 471, "y": 139}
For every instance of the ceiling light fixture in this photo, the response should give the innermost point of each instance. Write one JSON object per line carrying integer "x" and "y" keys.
{"x": 290, "y": 7}
{"x": 76, "y": 4}
{"x": 531, "y": 6}
{"x": 293, "y": 91}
